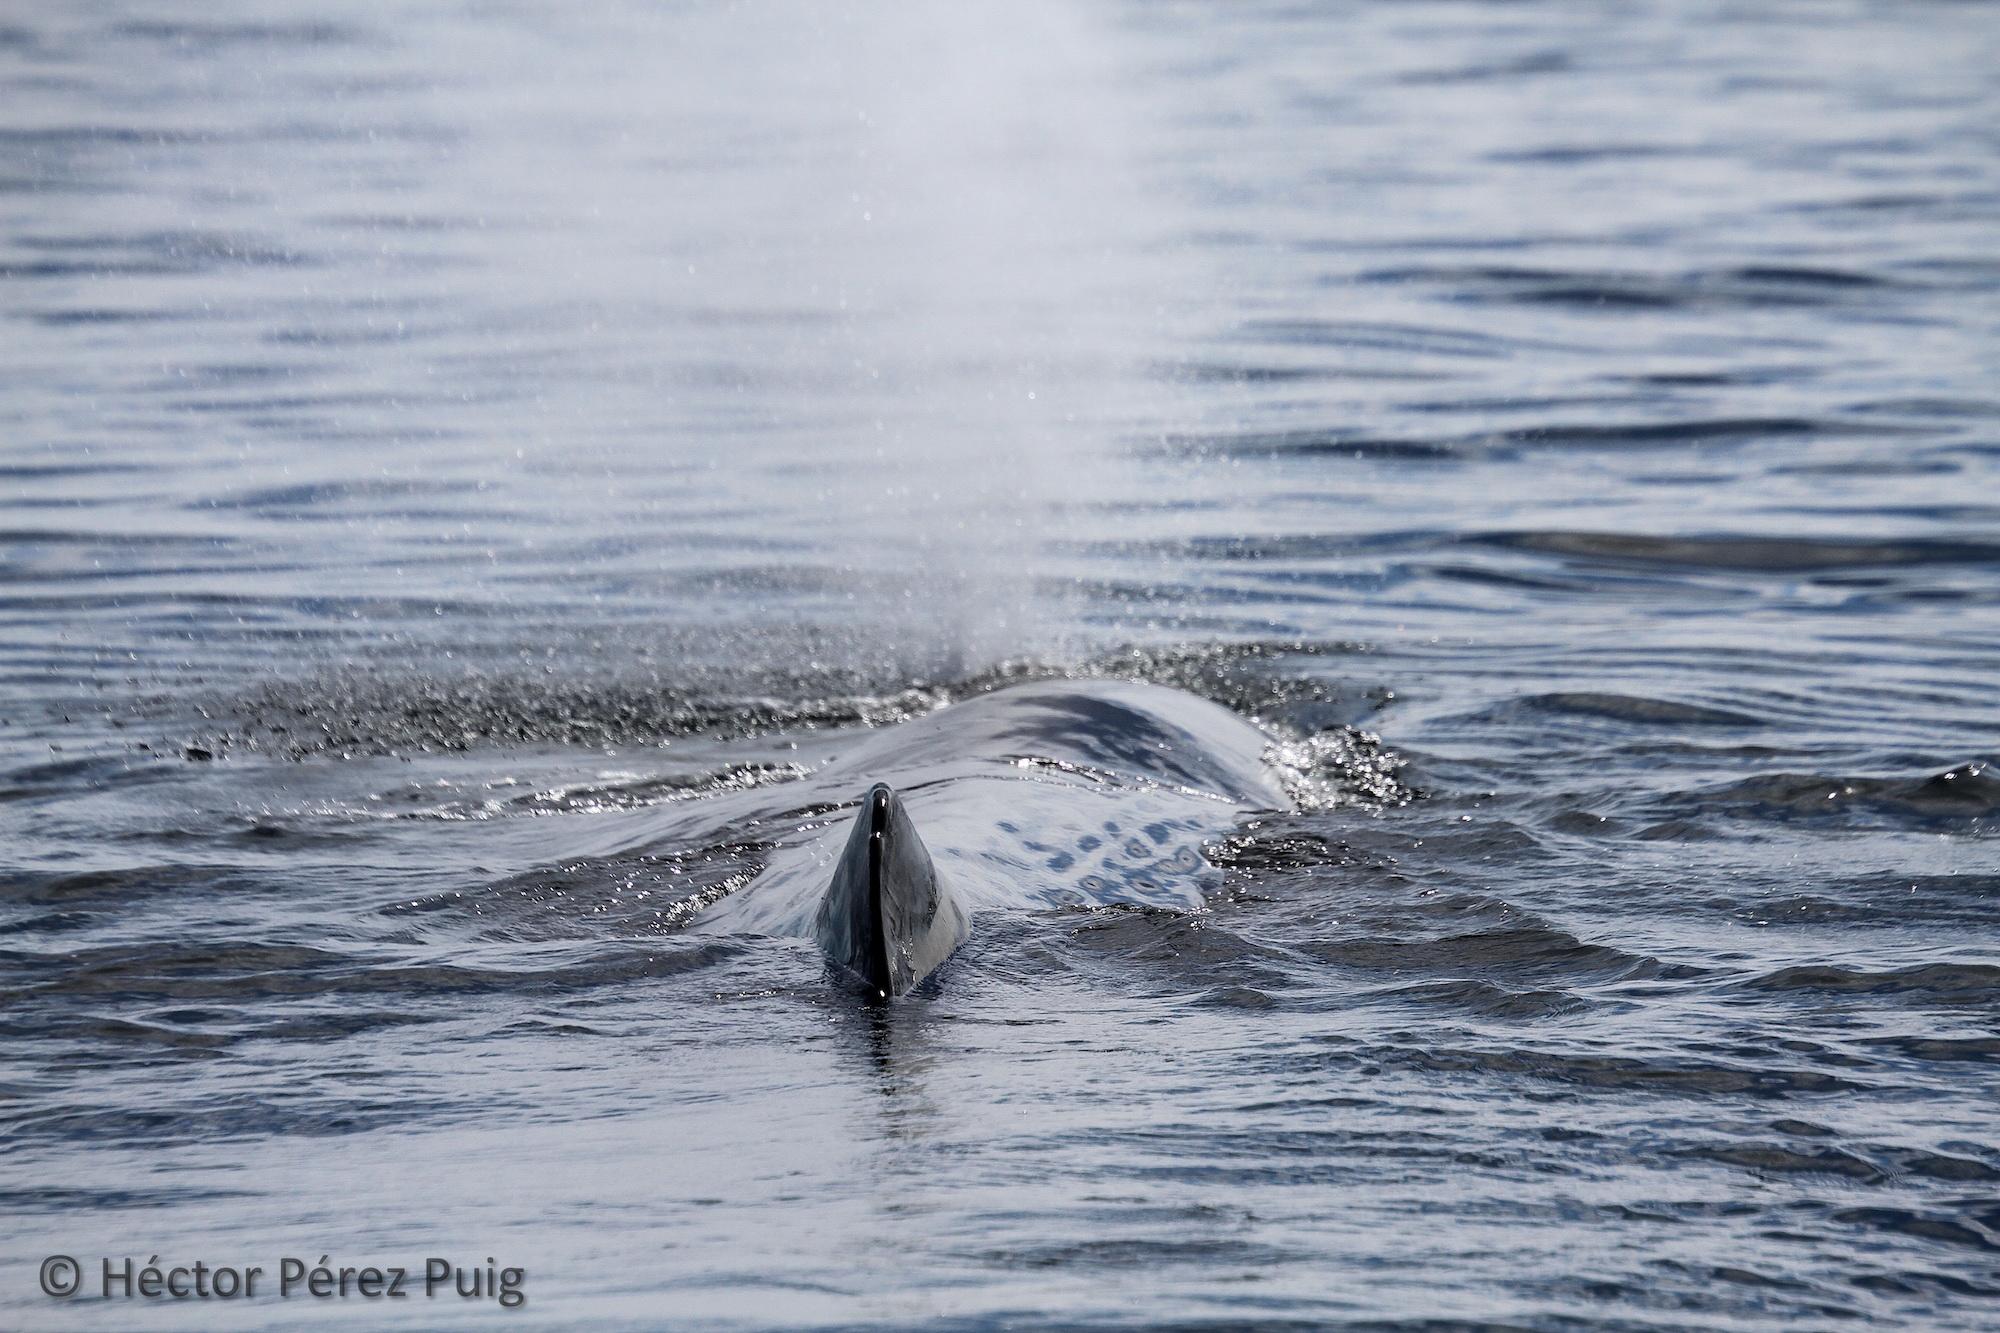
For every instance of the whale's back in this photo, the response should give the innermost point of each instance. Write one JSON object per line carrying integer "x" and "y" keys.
{"x": 1126, "y": 731}
{"x": 1050, "y": 794}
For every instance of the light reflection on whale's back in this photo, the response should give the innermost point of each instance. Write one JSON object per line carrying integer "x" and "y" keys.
{"x": 1054, "y": 794}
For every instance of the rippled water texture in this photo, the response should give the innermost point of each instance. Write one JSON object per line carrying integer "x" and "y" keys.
{"x": 433, "y": 434}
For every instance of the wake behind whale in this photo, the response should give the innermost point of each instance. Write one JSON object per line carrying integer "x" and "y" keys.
{"x": 1051, "y": 794}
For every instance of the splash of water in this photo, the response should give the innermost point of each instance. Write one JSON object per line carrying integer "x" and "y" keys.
{"x": 934, "y": 303}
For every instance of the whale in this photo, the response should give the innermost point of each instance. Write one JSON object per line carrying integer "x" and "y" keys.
{"x": 1043, "y": 795}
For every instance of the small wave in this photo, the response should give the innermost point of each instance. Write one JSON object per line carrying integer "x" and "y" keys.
{"x": 1358, "y": 443}
{"x": 1962, "y": 797}
{"x": 188, "y": 33}
{"x": 1529, "y": 65}
{"x": 1956, "y": 984}
{"x": 61, "y": 1200}
{"x": 1747, "y": 287}
{"x": 234, "y": 1117}
{"x": 1416, "y": 339}
{"x": 1745, "y": 554}
{"x": 222, "y": 972}
{"x": 1484, "y": 999}
{"x": 1616, "y": 1073}
{"x": 1973, "y": 1229}
{"x": 1948, "y": 902}
{"x": 1509, "y": 953}
{"x": 1624, "y": 708}
{"x": 1781, "y": 1160}
{"x": 1137, "y": 1253}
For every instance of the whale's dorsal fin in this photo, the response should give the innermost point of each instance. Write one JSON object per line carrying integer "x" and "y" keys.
{"x": 888, "y": 917}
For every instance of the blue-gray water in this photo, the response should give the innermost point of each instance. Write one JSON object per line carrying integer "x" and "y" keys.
{"x": 458, "y": 420}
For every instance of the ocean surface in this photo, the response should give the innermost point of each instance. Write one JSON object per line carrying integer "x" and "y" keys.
{"x": 429, "y": 430}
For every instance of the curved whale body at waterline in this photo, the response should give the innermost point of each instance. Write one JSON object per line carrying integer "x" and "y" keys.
{"x": 1052, "y": 794}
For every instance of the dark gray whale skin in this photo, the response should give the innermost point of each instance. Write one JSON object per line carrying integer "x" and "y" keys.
{"x": 888, "y": 917}
{"x": 1053, "y": 794}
